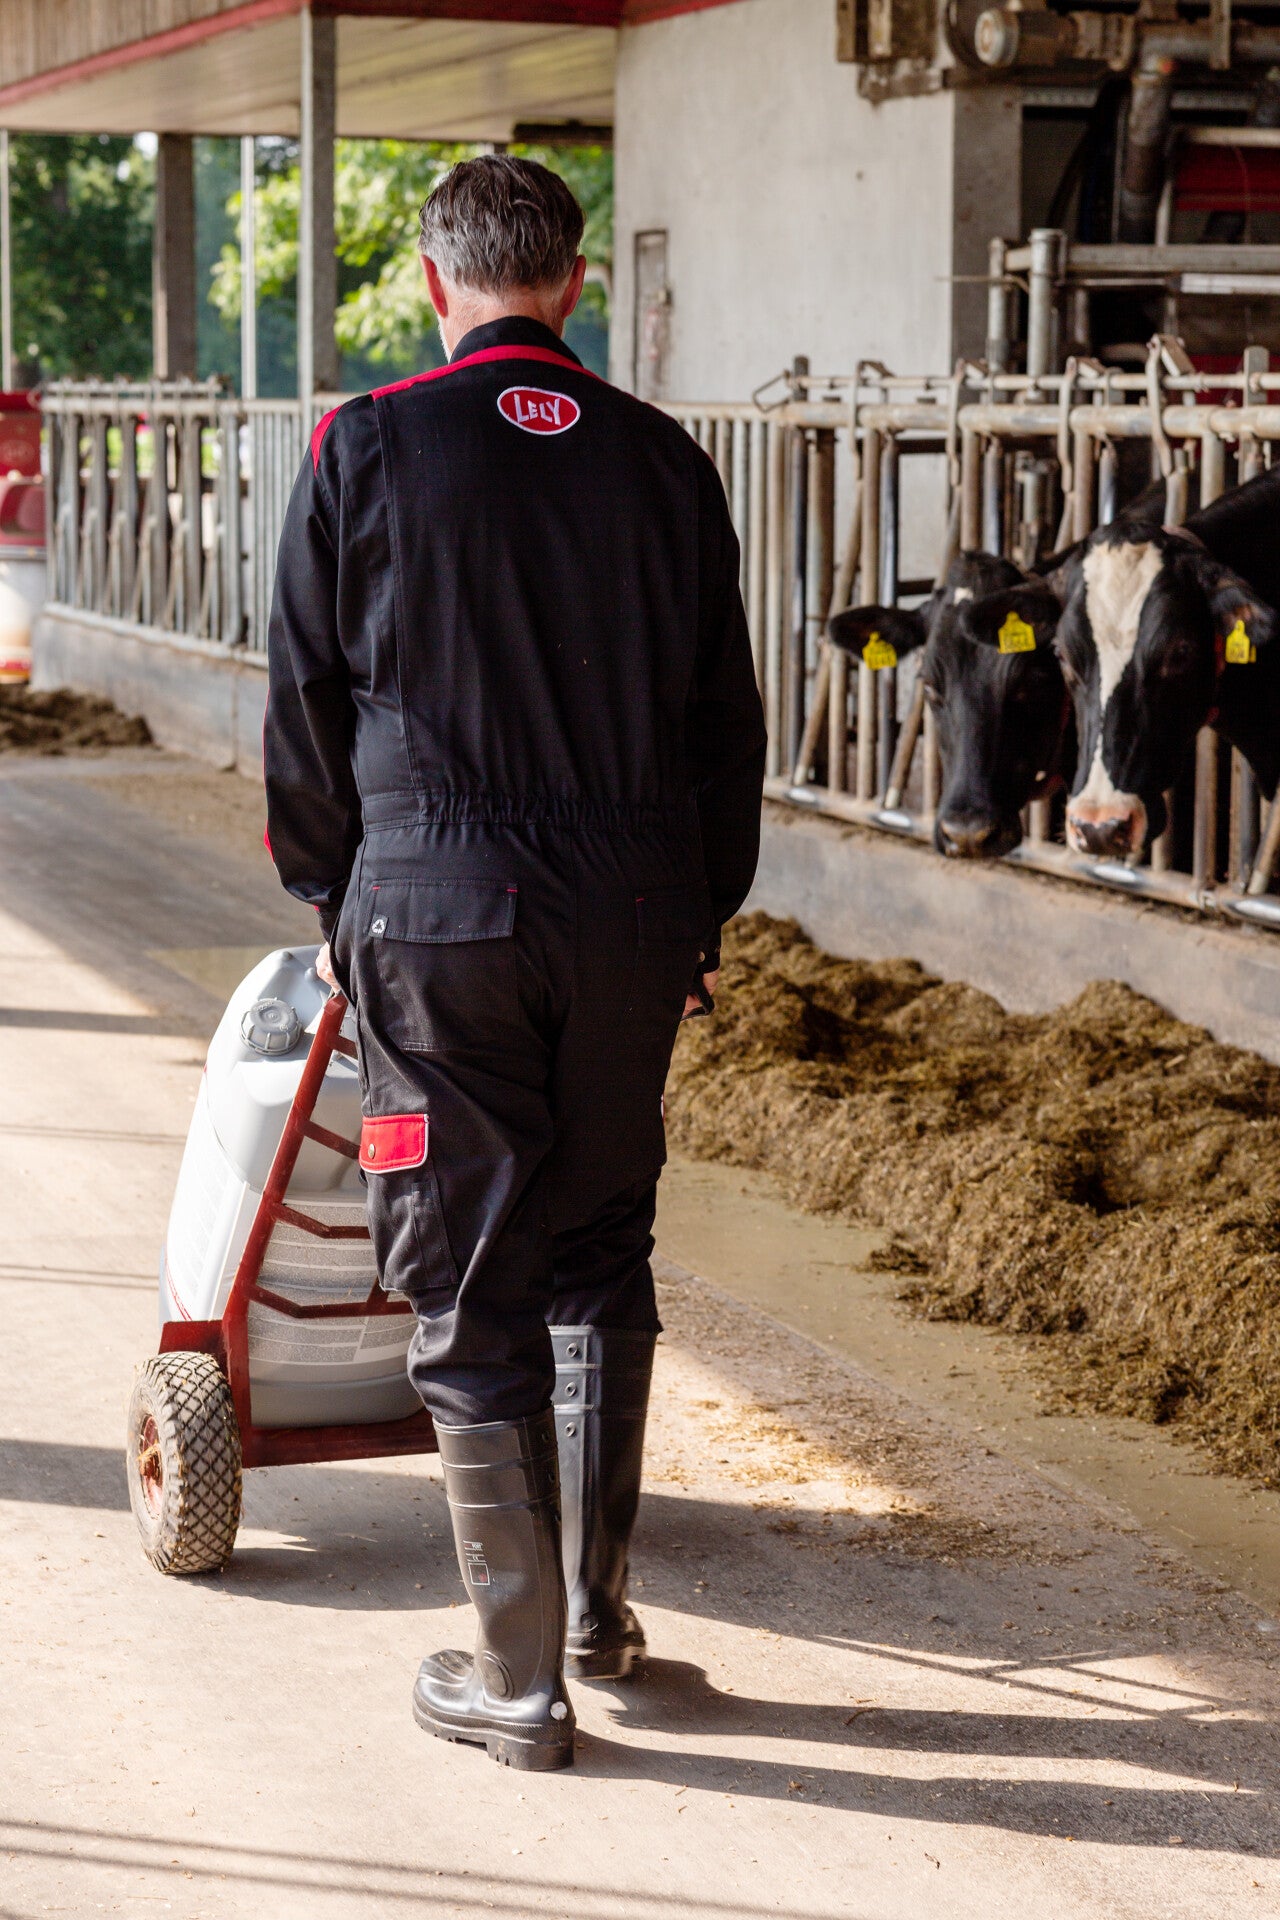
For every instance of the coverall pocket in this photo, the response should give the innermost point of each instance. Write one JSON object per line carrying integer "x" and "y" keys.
{"x": 407, "y": 1224}
{"x": 672, "y": 925}
{"x": 443, "y": 955}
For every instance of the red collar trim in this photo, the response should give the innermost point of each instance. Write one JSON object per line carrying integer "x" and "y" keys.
{"x": 514, "y": 352}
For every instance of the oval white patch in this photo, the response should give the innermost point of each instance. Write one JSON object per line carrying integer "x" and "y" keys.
{"x": 538, "y": 410}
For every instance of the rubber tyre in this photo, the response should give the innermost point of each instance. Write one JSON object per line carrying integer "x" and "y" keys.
{"x": 183, "y": 1463}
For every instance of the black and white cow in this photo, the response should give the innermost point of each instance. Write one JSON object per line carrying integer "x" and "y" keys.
{"x": 1163, "y": 630}
{"x": 993, "y": 680}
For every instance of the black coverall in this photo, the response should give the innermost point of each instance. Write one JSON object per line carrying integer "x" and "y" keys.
{"x": 514, "y": 752}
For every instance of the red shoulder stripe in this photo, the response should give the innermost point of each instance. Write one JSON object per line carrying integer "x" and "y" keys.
{"x": 486, "y": 353}
{"x": 322, "y": 427}
{"x": 438, "y": 373}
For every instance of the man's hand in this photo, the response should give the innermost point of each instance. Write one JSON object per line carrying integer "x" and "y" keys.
{"x": 324, "y": 967}
{"x": 692, "y": 1004}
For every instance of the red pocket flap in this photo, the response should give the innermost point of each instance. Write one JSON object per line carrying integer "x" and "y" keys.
{"x": 393, "y": 1143}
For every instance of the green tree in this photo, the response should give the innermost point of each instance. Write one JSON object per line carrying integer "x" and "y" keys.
{"x": 82, "y": 221}
{"x": 384, "y": 321}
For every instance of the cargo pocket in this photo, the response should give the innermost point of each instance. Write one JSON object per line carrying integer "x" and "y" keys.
{"x": 405, "y": 1216}
{"x": 443, "y": 954}
{"x": 672, "y": 927}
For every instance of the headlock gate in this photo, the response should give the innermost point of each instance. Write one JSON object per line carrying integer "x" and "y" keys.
{"x": 1024, "y": 464}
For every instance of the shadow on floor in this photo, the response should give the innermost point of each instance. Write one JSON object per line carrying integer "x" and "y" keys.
{"x": 367, "y": 1541}
{"x": 176, "y": 1858}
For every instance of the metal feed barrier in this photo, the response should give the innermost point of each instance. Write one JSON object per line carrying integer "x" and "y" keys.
{"x": 165, "y": 505}
{"x": 1023, "y": 463}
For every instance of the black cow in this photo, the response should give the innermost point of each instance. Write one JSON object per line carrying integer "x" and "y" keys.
{"x": 994, "y": 682}
{"x": 1163, "y": 630}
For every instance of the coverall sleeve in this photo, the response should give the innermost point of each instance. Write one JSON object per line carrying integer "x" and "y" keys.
{"x": 313, "y": 803}
{"x": 726, "y": 732}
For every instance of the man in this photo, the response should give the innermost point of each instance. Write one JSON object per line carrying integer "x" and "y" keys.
{"x": 514, "y": 757}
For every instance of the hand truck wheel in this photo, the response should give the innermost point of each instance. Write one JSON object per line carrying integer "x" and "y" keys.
{"x": 183, "y": 1463}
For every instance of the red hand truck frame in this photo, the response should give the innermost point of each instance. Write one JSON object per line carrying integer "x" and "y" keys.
{"x": 227, "y": 1339}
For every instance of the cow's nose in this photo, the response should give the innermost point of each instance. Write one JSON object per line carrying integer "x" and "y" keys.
{"x": 968, "y": 836}
{"x": 1113, "y": 836}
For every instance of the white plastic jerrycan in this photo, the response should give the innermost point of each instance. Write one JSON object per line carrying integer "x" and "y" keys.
{"x": 303, "y": 1373}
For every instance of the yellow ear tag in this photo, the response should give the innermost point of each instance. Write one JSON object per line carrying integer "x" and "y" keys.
{"x": 1016, "y": 636}
{"x": 1239, "y": 650}
{"x": 879, "y": 653}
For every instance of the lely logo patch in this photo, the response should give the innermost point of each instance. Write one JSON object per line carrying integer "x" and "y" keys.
{"x": 537, "y": 410}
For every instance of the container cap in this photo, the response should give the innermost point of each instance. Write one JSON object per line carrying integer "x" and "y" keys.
{"x": 271, "y": 1026}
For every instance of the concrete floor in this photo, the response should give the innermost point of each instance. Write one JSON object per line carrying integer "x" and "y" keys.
{"x": 897, "y": 1672}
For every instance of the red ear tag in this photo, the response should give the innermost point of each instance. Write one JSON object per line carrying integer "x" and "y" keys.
{"x": 393, "y": 1143}
{"x": 538, "y": 410}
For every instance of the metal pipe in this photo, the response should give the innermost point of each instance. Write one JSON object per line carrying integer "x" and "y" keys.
{"x": 1204, "y": 828}
{"x": 822, "y": 508}
{"x": 1213, "y": 469}
{"x": 889, "y": 537}
{"x": 904, "y": 753}
{"x": 993, "y": 497}
{"x": 932, "y": 763}
{"x": 997, "y": 309}
{"x": 1175, "y": 492}
{"x": 838, "y": 681}
{"x": 756, "y": 546}
{"x": 970, "y": 491}
{"x": 799, "y": 556}
{"x": 868, "y": 595}
{"x": 1146, "y": 137}
{"x": 1265, "y": 863}
{"x": 1244, "y": 818}
{"x": 1047, "y": 244}
{"x": 774, "y": 604}
{"x": 1108, "y": 481}
{"x": 1004, "y": 37}
{"x": 1082, "y": 452}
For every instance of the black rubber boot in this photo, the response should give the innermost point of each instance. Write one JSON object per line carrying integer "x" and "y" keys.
{"x": 509, "y": 1697}
{"x": 602, "y": 1395}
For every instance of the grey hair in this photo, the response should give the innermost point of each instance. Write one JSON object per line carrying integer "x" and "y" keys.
{"x": 496, "y": 223}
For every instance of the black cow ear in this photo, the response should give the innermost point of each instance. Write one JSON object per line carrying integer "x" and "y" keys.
{"x": 1062, "y": 570}
{"x": 1242, "y": 623}
{"x": 1016, "y": 620}
{"x": 879, "y": 636}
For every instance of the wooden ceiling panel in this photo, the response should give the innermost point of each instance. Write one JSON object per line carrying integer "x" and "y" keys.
{"x": 408, "y": 79}
{"x": 469, "y": 80}
{"x": 241, "y": 82}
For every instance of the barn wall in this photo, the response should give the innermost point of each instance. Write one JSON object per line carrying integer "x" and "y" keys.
{"x": 802, "y": 219}
{"x": 1032, "y": 941}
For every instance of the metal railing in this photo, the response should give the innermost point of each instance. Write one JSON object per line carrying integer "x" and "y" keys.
{"x": 1022, "y": 465}
{"x": 164, "y": 504}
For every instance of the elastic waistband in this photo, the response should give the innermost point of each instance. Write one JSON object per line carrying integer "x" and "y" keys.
{"x": 386, "y": 810}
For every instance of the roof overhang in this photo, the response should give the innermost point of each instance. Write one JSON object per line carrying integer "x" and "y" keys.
{"x": 411, "y": 69}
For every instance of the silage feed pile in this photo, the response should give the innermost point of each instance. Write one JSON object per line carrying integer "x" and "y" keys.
{"x": 64, "y": 722}
{"x": 1104, "y": 1176}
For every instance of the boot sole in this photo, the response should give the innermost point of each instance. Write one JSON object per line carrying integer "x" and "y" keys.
{"x": 527, "y": 1756}
{"x": 617, "y": 1663}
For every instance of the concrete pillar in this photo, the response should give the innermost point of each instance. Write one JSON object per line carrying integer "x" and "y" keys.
{"x": 317, "y": 263}
{"x": 248, "y": 269}
{"x": 986, "y": 200}
{"x": 6, "y": 270}
{"x": 173, "y": 259}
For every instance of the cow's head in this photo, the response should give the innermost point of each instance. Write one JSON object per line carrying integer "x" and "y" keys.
{"x": 995, "y": 685}
{"x": 1155, "y": 637}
